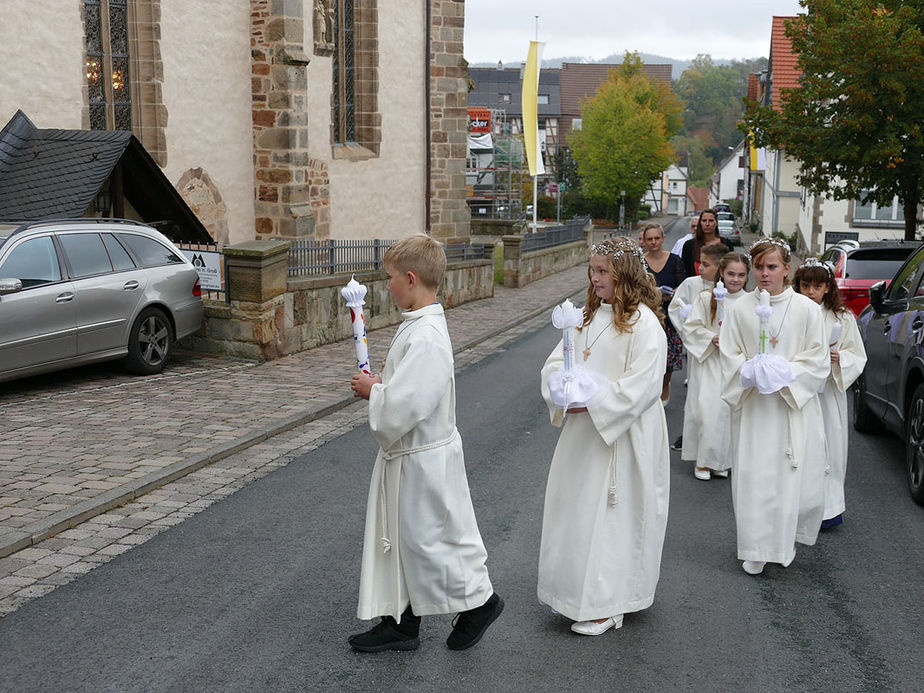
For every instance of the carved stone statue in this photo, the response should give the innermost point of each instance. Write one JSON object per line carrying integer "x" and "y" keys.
{"x": 323, "y": 27}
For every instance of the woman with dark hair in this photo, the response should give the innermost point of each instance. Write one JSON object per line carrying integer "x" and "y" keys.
{"x": 707, "y": 233}
{"x": 668, "y": 273}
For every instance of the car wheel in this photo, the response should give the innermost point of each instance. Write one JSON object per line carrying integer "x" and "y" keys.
{"x": 914, "y": 445}
{"x": 864, "y": 420}
{"x": 150, "y": 343}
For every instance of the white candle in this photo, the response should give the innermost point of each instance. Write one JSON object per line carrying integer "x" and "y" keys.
{"x": 764, "y": 310}
{"x": 355, "y": 293}
{"x": 720, "y": 292}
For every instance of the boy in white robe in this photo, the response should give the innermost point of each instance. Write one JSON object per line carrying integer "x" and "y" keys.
{"x": 422, "y": 551}
{"x": 815, "y": 279}
{"x": 714, "y": 450}
{"x": 779, "y": 448}
{"x": 679, "y": 310}
{"x": 606, "y": 501}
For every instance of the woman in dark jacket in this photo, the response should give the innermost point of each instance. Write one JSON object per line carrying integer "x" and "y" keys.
{"x": 707, "y": 233}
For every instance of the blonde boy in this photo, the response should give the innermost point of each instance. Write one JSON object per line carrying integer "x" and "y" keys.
{"x": 422, "y": 551}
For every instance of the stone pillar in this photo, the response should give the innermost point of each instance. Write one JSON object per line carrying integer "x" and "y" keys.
{"x": 449, "y": 213}
{"x": 279, "y": 86}
{"x": 257, "y": 270}
{"x": 512, "y": 261}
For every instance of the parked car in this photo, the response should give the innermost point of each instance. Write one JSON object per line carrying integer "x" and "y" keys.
{"x": 723, "y": 207}
{"x": 890, "y": 392}
{"x": 857, "y": 266}
{"x": 79, "y": 291}
{"x": 728, "y": 229}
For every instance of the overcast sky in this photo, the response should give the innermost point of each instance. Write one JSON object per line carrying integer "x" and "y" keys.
{"x": 501, "y": 29}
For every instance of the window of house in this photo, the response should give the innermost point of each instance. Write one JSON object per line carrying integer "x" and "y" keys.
{"x": 107, "y": 64}
{"x": 872, "y": 214}
{"x": 543, "y": 99}
{"x": 355, "y": 121}
{"x": 504, "y": 97}
{"x": 577, "y": 124}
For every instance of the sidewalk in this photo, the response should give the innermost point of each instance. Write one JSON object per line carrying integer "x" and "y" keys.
{"x": 77, "y": 445}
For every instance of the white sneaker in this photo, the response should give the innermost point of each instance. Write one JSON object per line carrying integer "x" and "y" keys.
{"x": 753, "y": 567}
{"x": 703, "y": 474}
{"x": 722, "y": 475}
{"x": 594, "y": 628}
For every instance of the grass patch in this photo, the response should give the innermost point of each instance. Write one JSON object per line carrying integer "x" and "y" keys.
{"x": 499, "y": 263}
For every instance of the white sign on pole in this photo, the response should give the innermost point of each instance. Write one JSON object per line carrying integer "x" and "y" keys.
{"x": 208, "y": 265}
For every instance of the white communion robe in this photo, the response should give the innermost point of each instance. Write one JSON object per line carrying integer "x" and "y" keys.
{"x": 834, "y": 405}
{"x": 713, "y": 447}
{"x": 685, "y": 295}
{"x": 777, "y": 484}
{"x": 606, "y": 500}
{"x": 422, "y": 545}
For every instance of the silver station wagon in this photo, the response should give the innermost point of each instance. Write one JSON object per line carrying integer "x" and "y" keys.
{"x": 74, "y": 292}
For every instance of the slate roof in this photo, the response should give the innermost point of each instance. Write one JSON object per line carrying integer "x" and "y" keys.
{"x": 784, "y": 71}
{"x": 49, "y": 174}
{"x": 490, "y": 83}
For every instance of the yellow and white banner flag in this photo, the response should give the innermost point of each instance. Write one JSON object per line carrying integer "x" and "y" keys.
{"x": 530, "y": 100}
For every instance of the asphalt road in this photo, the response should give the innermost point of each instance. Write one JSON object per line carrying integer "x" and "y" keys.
{"x": 258, "y": 592}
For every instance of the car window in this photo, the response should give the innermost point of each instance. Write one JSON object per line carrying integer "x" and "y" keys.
{"x": 86, "y": 254}
{"x": 148, "y": 251}
{"x": 33, "y": 262}
{"x": 876, "y": 263}
{"x": 725, "y": 215}
{"x": 904, "y": 281}
{"x": 121, "y": 260}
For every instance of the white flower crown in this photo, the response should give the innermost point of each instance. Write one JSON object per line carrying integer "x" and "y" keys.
{"x": 619, "y": 247}
{"x": 815, "y": 262}
{"x": 775, "y": 241}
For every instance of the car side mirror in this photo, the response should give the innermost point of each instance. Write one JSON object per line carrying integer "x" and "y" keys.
{"x": 875, "y": 296}
{"x": 10, "y": 286}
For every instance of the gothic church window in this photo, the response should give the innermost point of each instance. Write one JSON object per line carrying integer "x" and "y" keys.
{"x": 107, "y": 64}
{"x": 355, "y": 120}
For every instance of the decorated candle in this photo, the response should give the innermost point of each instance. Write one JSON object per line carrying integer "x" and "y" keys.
{"x": 566, "y": 317}
{"x": 720, "y": 292}
{"x": 764, "y": 310}
{"x": 355, "y": 294}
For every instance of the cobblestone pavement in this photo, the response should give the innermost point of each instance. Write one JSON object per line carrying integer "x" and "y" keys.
{"x": 93, "y": 462}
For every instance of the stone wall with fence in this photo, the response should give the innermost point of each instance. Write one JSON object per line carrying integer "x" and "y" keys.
{"x": 270, "y": 314}
{"x": 566, "y": 246}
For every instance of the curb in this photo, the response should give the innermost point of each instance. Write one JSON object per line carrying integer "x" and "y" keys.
{"x": 13, "y": 540}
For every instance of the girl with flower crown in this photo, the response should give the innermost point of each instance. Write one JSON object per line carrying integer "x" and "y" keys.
{"x": 701, "y": 339}
{"x": 815, "y": 279}
{"x": 774, "y": 360}
{"x": 607, "y": 495}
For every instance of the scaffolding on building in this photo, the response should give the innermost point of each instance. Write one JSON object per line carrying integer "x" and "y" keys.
{"x": 495, "y": 172}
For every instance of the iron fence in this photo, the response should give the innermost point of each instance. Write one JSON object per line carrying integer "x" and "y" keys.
{"x": 310, "y": 257}
{"x": 568, "y": 232}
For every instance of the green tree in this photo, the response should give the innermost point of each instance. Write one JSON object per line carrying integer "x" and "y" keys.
{"x": 855, "y": 122}
{"x": 623, "y": 144}
{"x": 713, "y": 102}
{"x": 699, "y": 165}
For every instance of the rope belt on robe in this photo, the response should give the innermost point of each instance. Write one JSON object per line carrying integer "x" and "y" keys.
{"x": 387, "y": 456}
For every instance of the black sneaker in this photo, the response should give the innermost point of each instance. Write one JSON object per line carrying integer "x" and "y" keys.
{"x": 389, "y": 635}
{"x": 677, "y": 444}
{"x": 469, "y": 626}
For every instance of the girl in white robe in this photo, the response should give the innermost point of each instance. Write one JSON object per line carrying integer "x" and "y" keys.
{"x": 607, "y": 496}
{"x": 713, "y": 442}
{"x": 679, "y": 310}
{"x": 815, "y": 279}
{"x": 780, "y": 455}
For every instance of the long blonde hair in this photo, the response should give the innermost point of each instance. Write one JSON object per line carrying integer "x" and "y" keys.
{"x": 633, "y": 284}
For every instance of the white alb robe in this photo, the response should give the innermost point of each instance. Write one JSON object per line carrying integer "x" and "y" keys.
{"x": 685, "y": 295}
{"x": 606, "y": 500}
{"x": 834, "y": 405}
{"x": 713, "y": 444}
{"x": 422, "y": 545}
{"x": 777, "y": 484}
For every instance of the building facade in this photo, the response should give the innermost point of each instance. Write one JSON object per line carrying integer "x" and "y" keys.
{"x": 329, "y": 119}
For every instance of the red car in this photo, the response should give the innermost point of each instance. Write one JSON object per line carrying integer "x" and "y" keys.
{"x": 858, "y": 266}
